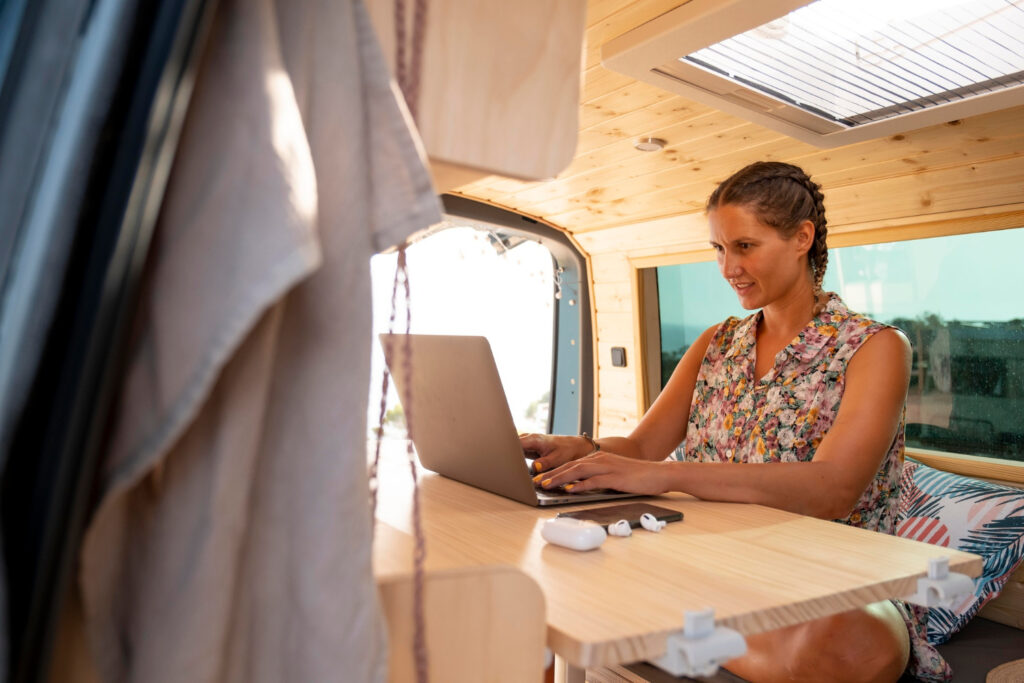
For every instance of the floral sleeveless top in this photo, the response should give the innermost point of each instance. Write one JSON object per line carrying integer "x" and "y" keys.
{"x": 782, "y": 417}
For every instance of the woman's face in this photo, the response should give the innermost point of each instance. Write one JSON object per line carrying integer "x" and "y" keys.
{"x": 755, "y": 259}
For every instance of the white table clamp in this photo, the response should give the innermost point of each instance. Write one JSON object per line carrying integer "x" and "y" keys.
{"x": 941, "y": 588}
{"x": 701, "y": 647}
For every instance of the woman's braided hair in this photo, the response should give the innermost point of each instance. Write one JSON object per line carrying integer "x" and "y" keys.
{"x": 782, "y": 196}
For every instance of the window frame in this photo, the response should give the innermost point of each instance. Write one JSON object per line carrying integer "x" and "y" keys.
{"x": 960, "y": 223}
{"x": 573, "y": 360}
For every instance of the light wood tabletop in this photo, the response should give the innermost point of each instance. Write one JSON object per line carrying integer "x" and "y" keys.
{"x": 757, "y": 567}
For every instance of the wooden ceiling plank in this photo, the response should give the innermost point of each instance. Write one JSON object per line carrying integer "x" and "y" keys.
{"x": 631, "y": 97}
{"x": 620, "y": 158}
{"x": 578, "y": 178}
{"x": 933, "y": 161}
{"x": 509, "y": 185}
{"x": 971, "y": 186}
{"x": 598, "y": 81}
{"x": 657, "y": 120}
{"x": 485, "y": 182}
{"x": 647, "y": 207}
{"x": 986, "y": 137}
{"x": 930, "y": 150}
{"x": 644, "y": 123}
{"x": 600, "y": 10}
{"x": 617, "y": 155}
{"x": 620, "y": 149}
{"x": 711, "y": 160}
{"x": 589, "y": 219}
{"x": 713, "y": 155}
{"x": 484, "y": 194}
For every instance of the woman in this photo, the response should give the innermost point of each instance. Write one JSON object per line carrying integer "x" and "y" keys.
{"x": 798, "y": 406}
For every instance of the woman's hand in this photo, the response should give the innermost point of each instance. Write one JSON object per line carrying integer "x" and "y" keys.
{"x": 608, "y": 471}
{"x": 549, "y": 450}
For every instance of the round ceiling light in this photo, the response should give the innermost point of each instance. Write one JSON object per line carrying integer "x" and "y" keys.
{"x": 649, "y": 144}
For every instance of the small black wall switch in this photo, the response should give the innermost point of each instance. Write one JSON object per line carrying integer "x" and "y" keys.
{"x": 618, "y": 356}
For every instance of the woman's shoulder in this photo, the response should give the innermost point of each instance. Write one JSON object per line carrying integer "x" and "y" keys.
{"x": 855, "y": 329}
{"x": 845, "y": 322}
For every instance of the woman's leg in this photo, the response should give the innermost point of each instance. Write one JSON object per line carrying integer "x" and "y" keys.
{"x": 869, "y": 644}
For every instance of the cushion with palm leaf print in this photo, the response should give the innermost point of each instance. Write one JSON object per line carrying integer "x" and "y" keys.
{"x": 969, "y": 515}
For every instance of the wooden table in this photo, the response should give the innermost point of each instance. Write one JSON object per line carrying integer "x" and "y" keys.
{"x": 757, "y": 567}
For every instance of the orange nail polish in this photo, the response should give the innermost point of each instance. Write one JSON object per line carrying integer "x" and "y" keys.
{"x": 546, "y": 482}
{"x": 568, "y": 487}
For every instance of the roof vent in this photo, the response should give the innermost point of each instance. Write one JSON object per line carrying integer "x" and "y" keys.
{"x": 834, "y": 72}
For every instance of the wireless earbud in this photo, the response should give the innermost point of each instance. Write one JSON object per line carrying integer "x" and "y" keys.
{"x": 620, "y": 528}
{"x": 651, "y": 523}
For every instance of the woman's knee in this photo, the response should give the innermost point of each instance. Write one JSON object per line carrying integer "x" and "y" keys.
{"x": 856, "y": 646}
{"x": 860, "y": 645}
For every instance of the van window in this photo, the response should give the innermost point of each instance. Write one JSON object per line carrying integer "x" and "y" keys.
{"x": 465, "y": 281}
{"x": 522, "y": 284}
{"x": 958, "y": 299}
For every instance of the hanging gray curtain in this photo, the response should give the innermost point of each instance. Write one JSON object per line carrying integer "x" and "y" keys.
{"x": 232, "y": 537}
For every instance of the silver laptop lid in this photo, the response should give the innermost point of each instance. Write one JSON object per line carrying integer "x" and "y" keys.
{"x": 459, "y": 417}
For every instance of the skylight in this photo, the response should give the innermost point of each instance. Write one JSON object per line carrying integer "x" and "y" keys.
{"x": 834, "y": 72}
{"x": 873, "y": 59}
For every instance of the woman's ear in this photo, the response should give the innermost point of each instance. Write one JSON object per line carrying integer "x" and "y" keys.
{"x": 804, "y": 236}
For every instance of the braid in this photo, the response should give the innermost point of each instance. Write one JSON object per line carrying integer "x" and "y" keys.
{"x": 782, "y": 196}
{"x": 818, "y": 255}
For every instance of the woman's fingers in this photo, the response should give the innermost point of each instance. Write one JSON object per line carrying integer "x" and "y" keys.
{"x": 598, "y": 481}
{"x": 536, "y": 446}
{"x": 570, "y": 473}
{"x": 546, "y": 463}
{"x": 539, "y": 447}
{"x": 605, "y": 471}
{"x": 550, "y": 451}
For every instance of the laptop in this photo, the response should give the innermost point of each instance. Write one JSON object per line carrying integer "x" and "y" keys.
{"x": 460, "y": 422}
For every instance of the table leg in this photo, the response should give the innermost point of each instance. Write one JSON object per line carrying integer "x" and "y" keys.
{"x": 567, "y": 673}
